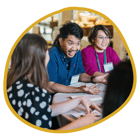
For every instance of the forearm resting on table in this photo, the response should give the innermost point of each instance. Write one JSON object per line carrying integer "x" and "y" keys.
{"x": 73, "y": 125}
{"x": 82, "y": 121}
{"x": 98, "y": 73}
{"x": 55, "y": 87}
{"x": 64, "y": 107}
{"x": 99, "y": 77}
{"x": 84, "y": 77}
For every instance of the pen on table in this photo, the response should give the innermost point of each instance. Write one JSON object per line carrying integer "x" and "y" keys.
{"x": 73, "y": 116}
{"x": 82, "y": 116}
{"x": 98, "y": 115}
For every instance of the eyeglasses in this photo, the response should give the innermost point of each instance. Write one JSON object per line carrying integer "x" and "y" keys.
{"x": 102, "y": 38}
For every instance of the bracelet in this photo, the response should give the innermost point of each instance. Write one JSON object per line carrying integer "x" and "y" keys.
{"x": 91, "y": 80}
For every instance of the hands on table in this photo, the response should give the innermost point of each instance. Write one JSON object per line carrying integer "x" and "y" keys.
{"x": 101, "y": 79}
{"x": 89, "y": 105}
{"x": 89, "y": 118}
{"x": 92, "y": 117}
{"x": 92, "y": 89}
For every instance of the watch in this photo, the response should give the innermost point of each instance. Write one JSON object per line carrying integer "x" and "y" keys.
{"x": 91, "y": 80}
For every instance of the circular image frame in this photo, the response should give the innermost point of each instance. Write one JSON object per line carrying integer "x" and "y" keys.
{"x": 85, "y": 127}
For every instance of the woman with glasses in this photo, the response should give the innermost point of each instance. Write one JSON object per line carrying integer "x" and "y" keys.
{"x": 98, "y": 58}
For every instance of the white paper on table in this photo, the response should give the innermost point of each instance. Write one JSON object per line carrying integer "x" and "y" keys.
{"x": 99, "y": 113}
{"x": 90, "y": 97}
{"x": 77, "y": 115}
{"x": 78, "y": 84}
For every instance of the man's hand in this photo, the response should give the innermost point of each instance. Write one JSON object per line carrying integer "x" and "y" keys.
{"x": 92, "y": 89}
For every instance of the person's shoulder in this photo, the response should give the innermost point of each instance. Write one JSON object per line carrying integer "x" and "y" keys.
{"x": 79, "y": 52}
{"x": 88, "y": 48}
{"x": 39, "y": 92}
{"x": 16, "y": 85}
{"x": 23, "y": 89}
{"x": 30, "y": 86}
{"x": 24, "y": 84}
{"x": 20, "y": 87}
{"x": 34, "y": 89}
{"x": 53, "y": 51}
{"x": 110, "y": 49}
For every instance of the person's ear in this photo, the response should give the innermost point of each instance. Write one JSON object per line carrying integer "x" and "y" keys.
{"x": 60, "y": 41}
{"x": 92, "y": 41}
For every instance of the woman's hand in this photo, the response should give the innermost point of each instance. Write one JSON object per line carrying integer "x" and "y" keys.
{"x": 101, "y": 79}
{"x": 89, "y": 105}
{"x": 92, "y": 117}
{"x": 92, "y": 89}
{"x": 89, "y": 118}
{"x": 82, "y": 121}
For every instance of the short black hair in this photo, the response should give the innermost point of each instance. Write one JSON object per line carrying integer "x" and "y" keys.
{"x": 119, "y": 87}
{"x": 69, "y": 29}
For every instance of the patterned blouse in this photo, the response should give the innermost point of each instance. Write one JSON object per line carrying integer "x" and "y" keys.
{"x": 31, "y": 103}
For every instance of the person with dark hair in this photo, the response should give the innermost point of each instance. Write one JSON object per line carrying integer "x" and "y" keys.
{"x": 66, "y": 62}
{"x": 98, "y": 58}
{"x": 119, "y": 86}
{"x": 27, "y": 84}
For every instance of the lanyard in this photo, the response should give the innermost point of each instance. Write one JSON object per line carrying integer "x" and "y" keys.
{"x": 98, "y": 63}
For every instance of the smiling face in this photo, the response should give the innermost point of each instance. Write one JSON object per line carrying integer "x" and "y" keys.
{"x": 101, "y": 41}
{"x": 70, "y": 46}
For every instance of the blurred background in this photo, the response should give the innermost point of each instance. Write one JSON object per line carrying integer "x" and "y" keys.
{"x": 49, "y": 28}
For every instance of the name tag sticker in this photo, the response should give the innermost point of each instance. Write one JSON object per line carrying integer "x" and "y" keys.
{"x": 108, "y": 67}
{"x": 74, "y": 79}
